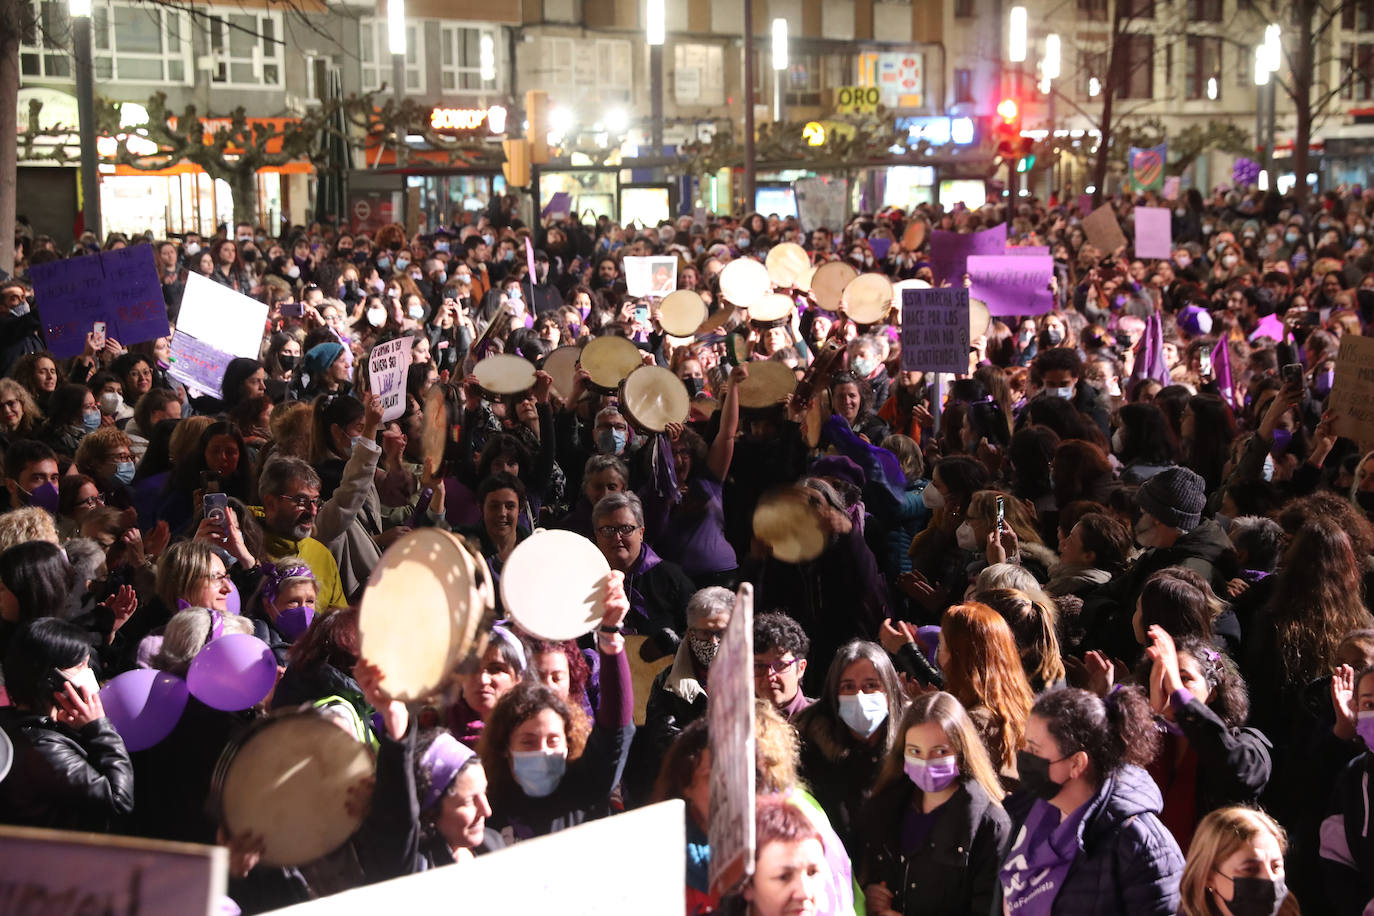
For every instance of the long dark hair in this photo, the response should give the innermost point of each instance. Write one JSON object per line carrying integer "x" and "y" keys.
{"x": 40, "y": 578}
{"x": 186, "y": 476}
{"x": 1147, "y": 435}
{"x": 34, "y": 651}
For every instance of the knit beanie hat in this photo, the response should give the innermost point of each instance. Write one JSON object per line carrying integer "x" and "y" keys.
{"x": 321, "y": 357}
{"x": 1174, "y": 496}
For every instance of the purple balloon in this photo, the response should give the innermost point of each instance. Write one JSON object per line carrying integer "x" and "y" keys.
{"x": 929, "y": 638}
{"x": 233, "y": 672}
{"x": 144, "y": 705}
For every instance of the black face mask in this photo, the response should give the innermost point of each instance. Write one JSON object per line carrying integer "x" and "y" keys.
{"x": 1035, "y": 775}
{"x": 1257, "y": 896}
{"x": 696, "y": 386}
{"x": 287, "y": 361}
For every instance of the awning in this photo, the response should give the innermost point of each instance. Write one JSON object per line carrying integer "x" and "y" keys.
{"x": 187, "y": 168}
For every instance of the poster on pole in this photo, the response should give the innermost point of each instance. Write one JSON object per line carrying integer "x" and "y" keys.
{"x": 648, "y": 846}
{"x": 822, "y": 203}
{"x": 653, "y": 276}
{"x": 1012, "y": 285}
{"x": 1103, "y": 231}
{"x": 59, "y": 871}
{"x": 387, "y": 366}
{"x": 730, "y": 715}
{"x": 935, "y": 329}
{"x": 215, "y": 325}
{"x": 120, "y": 288}
{"x": 1154, "y": 232}
{"x": 950, "y": 251}
{"x": 1352, "y": 391}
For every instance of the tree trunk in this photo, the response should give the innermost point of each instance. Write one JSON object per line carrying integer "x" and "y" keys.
{"x": 244, "y": 185}
{"x": 1109, "y": 87}
{"x": 9, "y": 128}
{"x": 1303, "y": 64}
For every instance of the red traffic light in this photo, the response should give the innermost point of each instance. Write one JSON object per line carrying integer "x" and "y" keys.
{"x": 1008, "y": 110}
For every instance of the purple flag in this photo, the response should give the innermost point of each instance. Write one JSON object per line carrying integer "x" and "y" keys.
{"x": 949, "y": 251}
{"x": 1149, "y": 354}
{"x": 1221, "y": 371}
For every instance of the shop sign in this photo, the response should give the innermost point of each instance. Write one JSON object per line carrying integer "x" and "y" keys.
{"x": 468, "y": 120}
{"x": 898, "y": 76}
{"x": 857, "y": 99}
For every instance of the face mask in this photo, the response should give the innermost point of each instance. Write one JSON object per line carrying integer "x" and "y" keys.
{"x": 441, "y": 246}
{"x": 864, "y": 712}
{"x": 416, "y": 312}
{"x": 287, "y": 361}
{"x": 293, "y": 272}
{"x": 695, "y": 386}
{"x": 377, "y": 285}
{"x": 124, "y": 473}
{"x": 864, "y": 366}
{"x": 703, "y": 647}
{"x": 1229, "y": 260}
{"x": 538, "y": 773}
{"x": 1118, "y": 442}
{"x": 384, "y": 263}
{"x": 514, "y": 293}
{"x": 1035, "y": 776}
{"x": 20, "y": 309}
{"x": 966, "y": 538}
{"x": 508, "y": 255}
{"x": 441, "y": 278}
{"x": 90, "y": 420}
{"x": 932, "y": 775}
{"x": 402, "y": 263}
{"x": 376, "y": 316}
{"x": 1290, "y": 237}
{"x": 192, "y": 248}
{"x": 1282, "y": 439}
{"x": 1206, "y": 228}
{"x": 1067, "y": 392}
{"x": 611, "y": 441}
{"x": 1053, "y": 336}
{"x": 87, "y": 679}
{"x": 1257, "y": 896}
{"x": 44, "y": 496}
{"x": 1183, "y": 260}
{"x": 934, "y": 499}
{"x": 1145, "y": 533}
{"x": 489, "y": 239}
{"x": 294, "y": 621}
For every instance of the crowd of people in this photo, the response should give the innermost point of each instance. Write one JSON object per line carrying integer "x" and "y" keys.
{"x": 1088, "y": 631}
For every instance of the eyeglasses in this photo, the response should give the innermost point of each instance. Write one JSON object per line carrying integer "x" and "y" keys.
{"x": 90, "y": 502}
{"x": 619, "y": 532}
{"x": 304, "y": 502}
{"x": 763, "y": 669}
{"x": 11, "y": 405}
{"x": 218, "y": 577}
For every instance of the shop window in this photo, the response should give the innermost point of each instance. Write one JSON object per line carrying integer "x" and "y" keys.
{"x": 1358, "y": 61}
{"x": 469, "y": 58}
{"x": 963, "y": 85}
{"x": 802, "y": 85}
{"x": 130, "y": 43}
{"x": 248, "y": 48}
{"x": 1138, "y": 68}
{"x": 1358, "y": 15}
{"x": 1204, "y": 10}
{"x": 589, "y": 71}
{"x": 376, "y": 58}
{"x": 1092, "y": 69}
{"x": 1204, "y": 63}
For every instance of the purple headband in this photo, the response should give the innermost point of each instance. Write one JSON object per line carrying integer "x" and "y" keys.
{"x": 272, "y": 578}
{"x": 500, "y": 630}
{"x": 439, "y": 765}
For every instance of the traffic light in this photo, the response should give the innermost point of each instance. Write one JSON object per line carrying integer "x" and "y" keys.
{"x": 1025, "y": 160}
{"x": 1008, "y": 128}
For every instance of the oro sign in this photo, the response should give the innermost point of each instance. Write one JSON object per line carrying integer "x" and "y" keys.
{"x": 857, "y": 99}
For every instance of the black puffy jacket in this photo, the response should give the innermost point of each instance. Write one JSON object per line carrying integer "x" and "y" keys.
{"x": 63, "y": 778}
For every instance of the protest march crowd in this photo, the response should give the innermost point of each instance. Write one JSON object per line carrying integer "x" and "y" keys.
{"x": 1081, "y": 625}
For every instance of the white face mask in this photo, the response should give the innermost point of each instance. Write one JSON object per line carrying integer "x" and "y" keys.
{"x": 1229, "y": 260}
{"x": 1067, "y": 392}
{"x": 933, "y": 498}
{"x": 864, "y": 713}
{"x": 966, "y": 538}
{"x": 1145, "y": 531}
{"x": 376, "y": 317}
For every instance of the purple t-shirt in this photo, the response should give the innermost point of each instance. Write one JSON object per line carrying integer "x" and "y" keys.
{"x": 697, "y": 542}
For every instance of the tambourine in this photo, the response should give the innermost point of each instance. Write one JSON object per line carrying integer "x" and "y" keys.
{"x": 504, "y": 375}
{"x": 772, "y": 310}
{"x": 426, "y": 611}
{"x": 979, "y": 318}
{"x": 608, "y": 360}
{"x": 829, "y": 282}
{"x": 744, "y": 281}
{"x": 682, "y": 313}
{"x": 867, "y": 298}
{"x": 768, "y": 383}
{"x": 434, "y": 438}
{"x": 914, "y": 235}
{"x": 651, "y": 397}
{"x": 787, "y": 263}
{"x": 787, "y": 522}
{"x": 561, "y": 365}
{"x": 285, "y": 779}
{"x": 553, "y": 584}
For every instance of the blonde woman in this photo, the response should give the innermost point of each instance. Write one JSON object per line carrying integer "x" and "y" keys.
{"x": 1235, "y": 867}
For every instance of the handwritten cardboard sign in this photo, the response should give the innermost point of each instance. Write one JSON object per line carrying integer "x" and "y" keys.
{"x": 1012, "y": 285}
{"x": 1154, "y": 232}
{"x": 120, "y": 288}
{"x": 387, "y": 366}
{"x": 215, "y": 325}
{"x": 730, "y": 684}
{"x": 1352, "y": 391}
{"x": 950, "y": 251}
{"x": 1103, "y": 231}
{"x": 653, "y": 276}
{"x": 935, "y": 329}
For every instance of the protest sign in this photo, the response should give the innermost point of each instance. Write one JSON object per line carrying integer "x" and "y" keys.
{"x": 1154, "y": 232}
{"x": 655, "y": 276}
{"x": 1172, "y": 185}
{"x": 950, "y": 251}
{"x": 559, "y": 206}
{"x": 935, "y": 331}
{"x": 1028, "y": 251}
{"x": 387, "y": 366}
{"x": 120, "y": 288}
{"x": 215, "y": 325}
{"x": 822, "y": 202}
{"x": 1147, "y": 166}
{"x": 1012, "y": 285}
{"x": 647, "y": 846}
{"x": 1103, "y": 231}
{"x": 730, "y": 714}
{"x": 1352, "y": 391}
{"x": 59, "y": 871}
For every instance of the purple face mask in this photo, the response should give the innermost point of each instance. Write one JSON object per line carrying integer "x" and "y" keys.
{"x": 932, "y": 775}
{"x": 44, "y": 496}
{"x": 1364, "y": 727}
{"x": 294, "y": 621}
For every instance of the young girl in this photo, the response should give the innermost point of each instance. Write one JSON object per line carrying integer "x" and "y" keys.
{"x": 935, "y": 828}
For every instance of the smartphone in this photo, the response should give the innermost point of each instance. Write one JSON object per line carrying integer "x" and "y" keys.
{"x": 1204, "y": 363}
{"x": 641, "y": 314}
{"x": 1292, "y": 374}
{"x": 98, "y": 332}
{"x": 418, "y": 517}
{"x": 214, "y": 507}
{"x": 1001, "y": 513}
{"x": 292, "y": 310}
{"x": 55, "y": 682}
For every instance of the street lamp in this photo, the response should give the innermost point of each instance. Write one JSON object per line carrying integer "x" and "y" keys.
{"x": 396, "y": 44}
{"x": 655, "y": 33}
{"x": 779, "y": 64}
{"x": 1049, "y": 71}
{"x": 80, "y": 12}
{"x": 1016, "y": 35}
{"x": 1268, "y": 58}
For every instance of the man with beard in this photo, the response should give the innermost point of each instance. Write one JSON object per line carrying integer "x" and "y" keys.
{"x": 290, "y": 491}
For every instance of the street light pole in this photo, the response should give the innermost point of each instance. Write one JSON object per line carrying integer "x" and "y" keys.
{"x": 85, "y": 106}
{"x": 1016, "y": 53}
{"x": 779, "y": 65}
{"x": 396, "y": 44}
{"x": 748, "y": 105}
{"x": 655, "y": 29}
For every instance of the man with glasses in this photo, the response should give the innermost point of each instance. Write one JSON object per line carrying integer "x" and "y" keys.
{"x": 290, "y": 491}
{"x": 780, "y": 647}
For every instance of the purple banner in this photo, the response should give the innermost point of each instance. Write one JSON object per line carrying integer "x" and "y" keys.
{"x": 1012, "y": 285}
{"x": 196, "y": 364}
{"x": 1028, "y": 251}
{"x": 935, "y": 331}
{"x": 120, "y": 288}
{"x": 950, "y": 251}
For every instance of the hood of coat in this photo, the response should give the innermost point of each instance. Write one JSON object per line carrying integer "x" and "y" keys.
{"x": 1127, "y": 793}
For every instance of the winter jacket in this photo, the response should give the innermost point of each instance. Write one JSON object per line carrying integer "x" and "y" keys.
{"x": 1127, "y": 864}
{"x": 347, "y": 523}
{"x": 20, "y": 335}
{"x": 954, "y": 871}
{"x": 840, "y": 769}
{"x": 677, "y": 698}
{"x": 1347, "y": 844}
{"x": 63, "y": 778}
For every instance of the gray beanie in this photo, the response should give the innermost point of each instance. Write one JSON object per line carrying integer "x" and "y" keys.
{"x": 1174, "y": 496}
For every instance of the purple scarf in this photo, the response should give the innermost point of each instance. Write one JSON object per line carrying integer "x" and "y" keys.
{"x": 1040, "y": 860}
{"x": 647, "y": 561}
